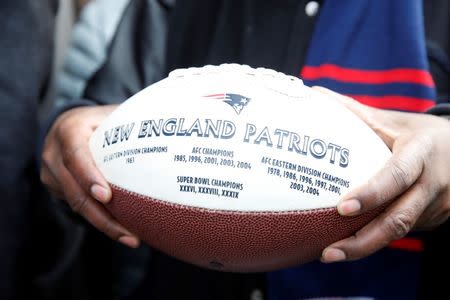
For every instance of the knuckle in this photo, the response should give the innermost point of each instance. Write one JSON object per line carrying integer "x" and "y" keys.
{"x": 379, "y": 195}
{"x": 61, "y": 133}
{"x": 76, "y": 162}
{"x": 110, "y": 230}
{"x": 47, "y": 158}
{"x": 400, "y": 175}
{"x": 80, "y": 204}
{"x": 64, "y": 126}
{"x": 398, "y": 225}
{"x": 70, "y": 141}
{"x": 69, "y": 154}
{"x": 45, "y": 177}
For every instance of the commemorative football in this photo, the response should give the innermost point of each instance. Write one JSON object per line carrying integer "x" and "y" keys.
{"x": 234, "y": 168}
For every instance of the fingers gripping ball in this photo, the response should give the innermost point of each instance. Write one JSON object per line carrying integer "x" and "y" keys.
{"x": 234, "y": 168}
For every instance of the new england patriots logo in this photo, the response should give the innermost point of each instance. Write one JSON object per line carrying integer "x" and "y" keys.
{"x": 237, "y": 102}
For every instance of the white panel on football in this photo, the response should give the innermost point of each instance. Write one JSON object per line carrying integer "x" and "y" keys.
{"x": 231, "y": 137}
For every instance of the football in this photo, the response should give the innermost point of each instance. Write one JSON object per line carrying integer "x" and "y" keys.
{"x": 234, "y": 168}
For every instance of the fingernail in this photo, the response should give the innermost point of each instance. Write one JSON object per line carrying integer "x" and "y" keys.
{"x": 100, "y": 193}
{"x": 129, "y": 241}
{"x": 349, "y": 207}
{"x": 330, "y": 255}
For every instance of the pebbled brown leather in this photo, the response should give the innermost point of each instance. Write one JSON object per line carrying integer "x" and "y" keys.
{"x": 229, "y": 240}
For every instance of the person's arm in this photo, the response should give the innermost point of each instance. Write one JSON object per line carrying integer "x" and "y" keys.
{"x": 69, "y": 171}
{"x": 414, "y": 184}
{"x": 67, "y": 168}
